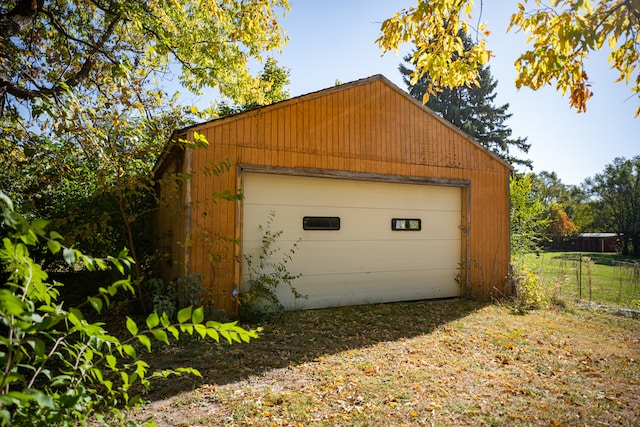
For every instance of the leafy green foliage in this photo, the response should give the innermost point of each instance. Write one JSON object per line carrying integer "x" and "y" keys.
{"x": 57, "y": 367}
{"x": 164, "y": 296}
{"x": 266, "y": 275}
{"x": 606, "y": 202}
{"x": 471, "y": 108}
{"x": 276, "y": 77}
{"x": 567, "y": 204}
{"x": 618, "y": 190}
{"x": 85, "y": 46}
{"x": 168, "y": 296}
{"x": 94, "y": 184}
{"x": 86, "y": 111}
{"x": 528, "y": 219}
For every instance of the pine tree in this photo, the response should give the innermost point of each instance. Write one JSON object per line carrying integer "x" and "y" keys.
{"x": 472, "y": 109}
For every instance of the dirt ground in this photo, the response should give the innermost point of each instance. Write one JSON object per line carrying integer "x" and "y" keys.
{"x": 424, "y": 363}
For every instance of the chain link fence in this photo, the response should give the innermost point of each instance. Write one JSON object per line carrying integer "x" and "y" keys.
{"x": 591, "y": 278}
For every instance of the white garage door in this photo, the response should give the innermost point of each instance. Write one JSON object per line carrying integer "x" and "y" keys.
{"x": 360, "y": 241}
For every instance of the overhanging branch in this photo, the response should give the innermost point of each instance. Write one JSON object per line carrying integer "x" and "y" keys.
{"x": 14, "y": 88}
{"x": 19, "y": 18}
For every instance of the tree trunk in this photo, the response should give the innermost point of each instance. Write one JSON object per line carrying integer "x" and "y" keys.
{"x": 635, "y": 243}
{"x": 625, "y": 245}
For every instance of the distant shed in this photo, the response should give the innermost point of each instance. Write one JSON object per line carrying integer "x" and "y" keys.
{"x": 596, "y": 242}
{"x": 389, "y": 202}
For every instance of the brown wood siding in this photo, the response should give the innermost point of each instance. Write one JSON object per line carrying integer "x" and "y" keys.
{"x": 169, "y": 219}
{"x": 364, "y": 127}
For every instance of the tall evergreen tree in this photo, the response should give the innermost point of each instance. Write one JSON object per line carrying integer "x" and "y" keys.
{"x": 473, "y": 110}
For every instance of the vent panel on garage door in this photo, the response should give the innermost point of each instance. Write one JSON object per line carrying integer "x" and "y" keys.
{"x": 354, "y": 255}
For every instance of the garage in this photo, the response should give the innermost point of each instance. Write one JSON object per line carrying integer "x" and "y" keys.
{"x": 357, "y": 241}
{"x": 389, "y": 202}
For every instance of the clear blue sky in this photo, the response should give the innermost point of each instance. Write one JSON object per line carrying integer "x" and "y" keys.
{"x": 334, "y": 40}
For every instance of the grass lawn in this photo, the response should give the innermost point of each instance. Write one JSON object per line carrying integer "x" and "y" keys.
{"x": 603, "y": 278}
{"x": 448, "y": 363}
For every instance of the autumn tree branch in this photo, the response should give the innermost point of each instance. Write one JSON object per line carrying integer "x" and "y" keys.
{"x": 19, "y": 18}
{"x": 26, "y": 18}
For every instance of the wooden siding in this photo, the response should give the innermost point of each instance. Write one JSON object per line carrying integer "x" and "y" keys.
{"x": 169, "y": 226}
{"x": 365, "y": 127}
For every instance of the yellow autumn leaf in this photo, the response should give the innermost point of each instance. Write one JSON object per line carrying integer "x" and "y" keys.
{"x": 571, "y": 29}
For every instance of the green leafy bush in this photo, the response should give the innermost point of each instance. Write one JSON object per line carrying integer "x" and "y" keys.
{"x": 527, "y": 214}
{"x": 529, "y": 292}
{"x": 57, "y": 368}
{"x": 168, "y": 296}
{"x": 267, "y": 271}
{"x": 164, "y": 296}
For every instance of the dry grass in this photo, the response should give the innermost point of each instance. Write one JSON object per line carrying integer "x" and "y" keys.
{"x": 424, "y": 363}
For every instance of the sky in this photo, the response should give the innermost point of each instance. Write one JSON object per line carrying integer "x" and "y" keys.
{"x": 332, "y": 40}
